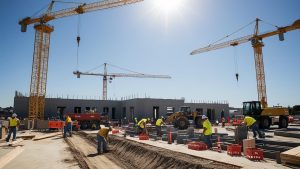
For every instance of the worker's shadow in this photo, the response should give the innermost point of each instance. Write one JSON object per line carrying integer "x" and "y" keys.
{"x": 92, "y": 155}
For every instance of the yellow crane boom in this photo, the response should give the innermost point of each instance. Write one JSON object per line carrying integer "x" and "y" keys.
{"x": 42, "y": 44}
{"x": 257, "y": 44}
{"x": 83, "y": 8}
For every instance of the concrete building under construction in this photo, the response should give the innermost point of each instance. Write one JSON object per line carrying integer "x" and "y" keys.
{"x": 119, "y": 109}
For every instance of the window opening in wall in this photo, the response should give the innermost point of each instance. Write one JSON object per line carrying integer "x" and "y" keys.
{"x": 77, "y": 109}
{"x": 199, "y": 111}
{"x": 209, "y": 114}
{"x": 113, "y": 113}
{"x": 105, "y": 110}
{"x": 155, "y": 112}
{"x": 124, "y": 112}
{"x": 60, "y": 112}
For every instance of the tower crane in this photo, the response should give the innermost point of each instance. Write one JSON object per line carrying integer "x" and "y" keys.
{"x": 259, "y": 109}
{"x": 42, "y": 44}
{"x": 111, "y": 76}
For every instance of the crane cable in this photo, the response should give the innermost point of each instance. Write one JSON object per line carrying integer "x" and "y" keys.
{"x": 235, "y": 58}
{"x": 78, "y": 41}
{"x": 238, "y": 30}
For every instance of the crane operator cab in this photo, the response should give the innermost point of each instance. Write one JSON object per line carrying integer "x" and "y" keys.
{"x": 266, "y": 116}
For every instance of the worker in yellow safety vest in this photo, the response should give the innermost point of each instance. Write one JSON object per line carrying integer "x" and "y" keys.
{"x": 158, "y": 123}
{"x": 13, "y": 123}
{"x": 68, "y": 126}
{"x": 142, "y": 126}
{"x": 250, "y": 122}
{"x": 207, "y": 131}
{"x": 102, "y": 137}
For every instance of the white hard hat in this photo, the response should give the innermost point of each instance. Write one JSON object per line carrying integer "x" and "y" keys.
{"x": 204, "y": 117}
{"x": 14, "y": 115}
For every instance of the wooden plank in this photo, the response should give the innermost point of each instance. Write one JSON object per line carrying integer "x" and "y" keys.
{"x": 10, "y": 156}
{"x": 47, "y": 136}
{"x": 291, "y": 156}
{"x": 26, "y": 137}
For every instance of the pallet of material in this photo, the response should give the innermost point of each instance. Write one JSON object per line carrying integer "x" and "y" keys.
{"x": 291, "y": 156}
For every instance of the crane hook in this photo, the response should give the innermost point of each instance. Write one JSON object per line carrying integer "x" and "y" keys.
{"x": 237, "y": 76}
{"x": 78, "y": 40}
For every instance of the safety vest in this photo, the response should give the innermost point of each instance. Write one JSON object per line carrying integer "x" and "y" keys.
{"x": 142, "y": 123}
{"x": 13, "y": 122}
{"x": 103, "y": 132}
{"x": 207, "y": 125}
{"x": 158, "y": 122}
{"x": 68, "y": 120}
{"x": 249, "y": 121}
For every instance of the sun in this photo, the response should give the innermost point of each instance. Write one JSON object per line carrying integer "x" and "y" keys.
{"x": 168, "y": 6}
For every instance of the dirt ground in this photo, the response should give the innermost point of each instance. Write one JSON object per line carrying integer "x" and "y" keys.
{"x": 87, "y": 155}
{"x": 137, "y": 155}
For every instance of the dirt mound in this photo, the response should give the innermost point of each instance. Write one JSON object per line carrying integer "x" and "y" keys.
{"x": 145, "y": 156}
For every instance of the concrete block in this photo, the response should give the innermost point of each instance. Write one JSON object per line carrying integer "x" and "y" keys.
{"x": 240, "y": 133}
{"x": 180, "y": 132}
{"x": 248, "y": 143}
{"x": 180, "y": 138}
{"x": 42, "y": 124}
{"x": 190, "y": 132}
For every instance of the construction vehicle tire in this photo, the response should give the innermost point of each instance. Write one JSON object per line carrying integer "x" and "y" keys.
{"x": 283, "y": 122}
{"x": 198, "y": 122}
{"x": 182, "y": 123}
{"x": 265, "y": 122}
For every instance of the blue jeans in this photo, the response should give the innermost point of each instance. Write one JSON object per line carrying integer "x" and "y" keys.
{"x": 12, "y": 130}
{"x": 158, "y": 130}
{"x": 68, "y": 129}
{"x": 255, "y": 129}
{"x": 207, "y": 140}
{"x": 101, "y": 144}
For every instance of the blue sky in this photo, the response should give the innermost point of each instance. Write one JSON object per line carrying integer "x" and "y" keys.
{"x": 143, "y": 38}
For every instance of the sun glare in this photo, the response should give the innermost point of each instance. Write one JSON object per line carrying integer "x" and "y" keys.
{"x": 168, "y": 6}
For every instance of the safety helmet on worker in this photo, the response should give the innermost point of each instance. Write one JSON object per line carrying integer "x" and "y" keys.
{"x": 204, "y": 117}
{"x": 14, "y": 115}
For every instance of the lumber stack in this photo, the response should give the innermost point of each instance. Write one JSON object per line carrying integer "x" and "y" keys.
{"x": 291, "y": 156}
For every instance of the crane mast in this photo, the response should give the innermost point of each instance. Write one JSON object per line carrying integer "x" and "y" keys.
{"x": 106, "y": 75}
{"x": 257, "y": 44}
{"x": 42, "y": 43}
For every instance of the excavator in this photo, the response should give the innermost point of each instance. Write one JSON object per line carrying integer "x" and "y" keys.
{"x": 265, "y": 115}
{"x": 181, "y": 118}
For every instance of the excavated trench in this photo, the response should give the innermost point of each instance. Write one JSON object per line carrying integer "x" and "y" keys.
{"x": 138, "y": 155}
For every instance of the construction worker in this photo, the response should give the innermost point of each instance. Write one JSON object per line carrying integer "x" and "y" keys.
{"x": 13, "y": 123}
{"x": 102, "y": 137}
{"x": 207, "y": 131}
{"x": 158, "y": 124}
{"x": 250, "y": 122}
{"x": 68, "y": 126}
{"x": 142, "y": 126}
